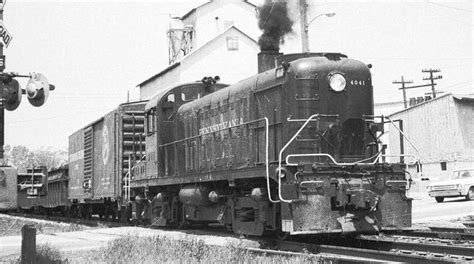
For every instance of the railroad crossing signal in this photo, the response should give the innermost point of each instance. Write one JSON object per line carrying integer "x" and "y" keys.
{"x": 11, "y": 94}
{"x": 37, "y": 90}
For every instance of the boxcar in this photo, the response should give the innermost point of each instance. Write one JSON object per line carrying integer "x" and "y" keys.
{"x": 100, "y": 156}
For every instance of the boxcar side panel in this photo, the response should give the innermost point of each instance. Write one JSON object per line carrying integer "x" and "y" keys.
{"x": 76, "y": 166}
{"x": 104, "y": 156}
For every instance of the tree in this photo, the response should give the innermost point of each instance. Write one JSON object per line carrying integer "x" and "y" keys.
{"x": 19, "y": 157}
{"x": 46, "y": 156}
{"x": 22, "y": 158}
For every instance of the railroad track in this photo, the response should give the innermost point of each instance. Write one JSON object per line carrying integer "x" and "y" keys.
{"x": 437, "y": 232}
{"x": 358, "y": 249}
{"x": 381, "y": 253}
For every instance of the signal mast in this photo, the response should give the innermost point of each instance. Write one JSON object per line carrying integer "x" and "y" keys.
{"x": 37, "y": 88}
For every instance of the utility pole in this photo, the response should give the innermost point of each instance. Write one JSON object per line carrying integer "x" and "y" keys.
{"x": 304, "y": 25}
{"x": 432, "y": 78}
{"x": 2, "y": 110}
{"x": 403, "y": 82}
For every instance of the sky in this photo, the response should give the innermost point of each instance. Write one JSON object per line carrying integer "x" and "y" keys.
{"x": 95, "y": 52}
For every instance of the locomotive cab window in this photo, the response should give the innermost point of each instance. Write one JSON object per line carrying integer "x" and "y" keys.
{"x": 168, "y": 107}
{"x": 190, "y": 94}
{"x": 150, "y": 121}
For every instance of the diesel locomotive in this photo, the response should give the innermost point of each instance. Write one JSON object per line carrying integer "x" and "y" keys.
{"x": 292, "y": 150}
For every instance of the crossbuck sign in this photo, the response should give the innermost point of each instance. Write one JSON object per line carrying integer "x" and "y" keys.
{"x": 5, "y": 36}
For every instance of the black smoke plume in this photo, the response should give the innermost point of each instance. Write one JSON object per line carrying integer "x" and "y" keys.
{"x": 275, "y": 24}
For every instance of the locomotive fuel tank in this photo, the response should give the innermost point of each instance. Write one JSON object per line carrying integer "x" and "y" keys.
{"x": 195, "y": 195}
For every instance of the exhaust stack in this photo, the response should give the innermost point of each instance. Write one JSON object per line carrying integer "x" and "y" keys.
{"x": 267, "y": 60}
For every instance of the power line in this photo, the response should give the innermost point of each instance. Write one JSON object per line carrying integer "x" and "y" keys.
{"x": 403, "y": 82}
{"x": 432, "y": 79}
{"x": 456, "y": 85}
{"x": 451, "y": 7}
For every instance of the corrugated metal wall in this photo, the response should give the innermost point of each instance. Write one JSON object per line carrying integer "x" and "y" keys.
{"x": 442, "y": 130}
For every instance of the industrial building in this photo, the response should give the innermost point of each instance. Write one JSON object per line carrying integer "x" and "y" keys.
{"x": 215, "y": 38}
{"x": 442, "y": 132}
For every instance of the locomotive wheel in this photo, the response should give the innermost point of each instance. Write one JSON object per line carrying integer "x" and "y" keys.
{"x": 470, "y": 194}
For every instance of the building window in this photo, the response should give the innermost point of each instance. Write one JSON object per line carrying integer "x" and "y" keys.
{"x": 233, "y": 43}
{"x": 443, "y": 165}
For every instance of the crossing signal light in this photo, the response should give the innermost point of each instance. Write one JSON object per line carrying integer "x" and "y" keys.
{"x": 11, "y": 94}
{"x": 38, "y": 89}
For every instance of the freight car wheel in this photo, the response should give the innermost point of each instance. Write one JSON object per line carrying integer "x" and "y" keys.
{"x": 470, "y": 194}
{"x": 439, "y": 199}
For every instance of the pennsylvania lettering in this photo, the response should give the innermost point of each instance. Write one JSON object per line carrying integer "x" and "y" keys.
{"x": 221, "y": 126}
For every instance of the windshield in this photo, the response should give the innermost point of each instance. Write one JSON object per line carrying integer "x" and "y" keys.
{"x": 462, "y": 174}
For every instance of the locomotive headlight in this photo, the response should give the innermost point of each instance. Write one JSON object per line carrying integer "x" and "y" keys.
{"x": 337, "y": 82}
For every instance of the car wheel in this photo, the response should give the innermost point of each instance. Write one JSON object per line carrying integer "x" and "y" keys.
{"x": 439, "y": 199}
{"x": 470, "y": 194}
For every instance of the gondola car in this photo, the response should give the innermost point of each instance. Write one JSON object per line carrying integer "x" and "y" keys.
{"x": 43, "y": 191}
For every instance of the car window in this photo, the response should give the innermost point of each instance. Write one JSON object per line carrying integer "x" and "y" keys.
{"x": 462, "y": 174}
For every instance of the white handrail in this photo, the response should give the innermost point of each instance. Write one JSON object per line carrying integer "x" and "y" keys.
{"x": 129, "y": 176}
{"x": 267, "y": 166}
{"x": 281, "y": 154}
{"x": 379, "y": 155}
{"x": 331, "y": 158}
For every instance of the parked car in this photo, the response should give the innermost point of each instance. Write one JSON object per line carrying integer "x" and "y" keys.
{"x": 461, "y": 184}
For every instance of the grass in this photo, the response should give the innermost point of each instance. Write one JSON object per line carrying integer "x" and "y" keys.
{"x": 134, "y": 249}
{"x": 12, "y": 226}
{"x": 44, "y": 255}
